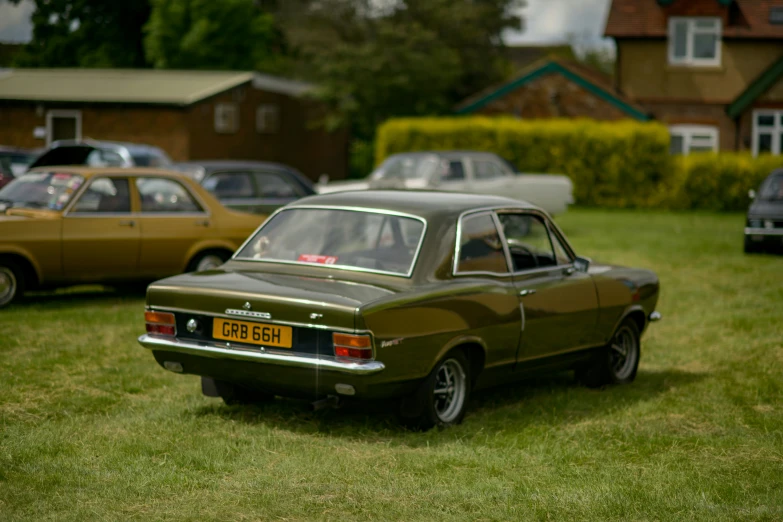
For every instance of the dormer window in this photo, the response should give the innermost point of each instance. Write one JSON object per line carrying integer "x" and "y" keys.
{"x": 694, "y": 41}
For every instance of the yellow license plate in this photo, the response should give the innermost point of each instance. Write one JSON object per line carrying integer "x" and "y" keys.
{"x": 252, "y": 333}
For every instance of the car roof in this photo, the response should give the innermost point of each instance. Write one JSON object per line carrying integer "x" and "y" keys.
{"x": 446, "y": 153}
{"x": 89, "y": 172}
{"x": 213, "y": 165}
{"x": 132, "y": 147}
{"x": 423, "y": 203}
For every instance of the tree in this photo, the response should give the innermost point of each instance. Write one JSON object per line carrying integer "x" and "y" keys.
{"x": 376, "y": 59}
{"x": 86, "y": 33}
{"x": 205, "y": 34}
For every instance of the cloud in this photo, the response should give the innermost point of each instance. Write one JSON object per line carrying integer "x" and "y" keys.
{"x": 15, "y": 24}
{"x": 553, "y": 21}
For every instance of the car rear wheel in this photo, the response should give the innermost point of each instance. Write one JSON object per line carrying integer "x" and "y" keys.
{"x": 11, "y": 283}
{"x": 232, "y": 394}
{"x": 618, "y": 362}
{"x": 208, "y": 261}
{"x": 442, "y": 398}
{"x": 750, "y": 247}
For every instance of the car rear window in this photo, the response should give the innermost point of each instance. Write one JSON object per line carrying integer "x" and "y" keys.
{"x": 75, "y": 155}
{"x": 349, "y": 239}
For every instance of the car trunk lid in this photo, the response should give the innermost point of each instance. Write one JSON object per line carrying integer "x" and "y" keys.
{"x": 275, "y": 298}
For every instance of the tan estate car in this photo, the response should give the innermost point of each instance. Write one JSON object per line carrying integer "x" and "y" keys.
{"x": 61, "y": 226}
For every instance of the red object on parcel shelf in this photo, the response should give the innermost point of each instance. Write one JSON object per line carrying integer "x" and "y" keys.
{"x": 315, "y": 258}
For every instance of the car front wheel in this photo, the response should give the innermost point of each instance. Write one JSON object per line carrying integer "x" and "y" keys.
{"x": 442, "y": 398}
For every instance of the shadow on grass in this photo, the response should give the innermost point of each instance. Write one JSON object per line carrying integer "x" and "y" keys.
{"x": 553, "y": 400}
{"x": 81, "y": 296}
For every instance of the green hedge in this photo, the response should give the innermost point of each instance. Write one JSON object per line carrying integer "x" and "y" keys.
{"x": 612, "y": 164}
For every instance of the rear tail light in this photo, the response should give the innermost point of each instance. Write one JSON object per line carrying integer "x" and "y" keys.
{"x": 352, "y": 346}
{"x": 160, "y": 323}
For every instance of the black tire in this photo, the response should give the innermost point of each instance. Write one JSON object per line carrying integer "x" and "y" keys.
{"x": 616, "y": 363}
{"x": 214, "y": 258}
{"x": 750, "y": 247}
{"x": 442, "y": 399}
{"x": 12, "y": 282}
{"x": 232, "y": 394}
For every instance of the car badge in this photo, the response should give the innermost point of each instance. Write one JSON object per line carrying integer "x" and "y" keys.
{"x": 192, "y": 325}
{"x": 316, "y": 316}
{"x": 247, "y": 306}
{"x": 247, "y": 313}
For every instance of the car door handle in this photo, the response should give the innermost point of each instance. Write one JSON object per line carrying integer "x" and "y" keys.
{"x": 529, "y": 291}
{"x": 569, "y": 270}
{"x": 202, "y": 223}
{"x": 127, "y": 223}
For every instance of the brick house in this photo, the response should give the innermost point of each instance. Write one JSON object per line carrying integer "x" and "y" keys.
{"x": 554, "y": 88}
{"x": 712, "y": 70}
{"x": 191, "y": 115}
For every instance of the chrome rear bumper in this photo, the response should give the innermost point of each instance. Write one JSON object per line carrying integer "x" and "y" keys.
{"x": 259, "y": 355}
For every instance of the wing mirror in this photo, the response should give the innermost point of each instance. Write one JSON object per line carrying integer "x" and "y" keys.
{"x": 582, "y": 263}
{"x": 752, "y": 194}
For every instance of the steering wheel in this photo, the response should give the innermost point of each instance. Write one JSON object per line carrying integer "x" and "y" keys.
{"x": 526, "y": 251}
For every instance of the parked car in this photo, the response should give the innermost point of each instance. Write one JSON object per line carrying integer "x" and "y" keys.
{"x": 250, "y": 186}
{"x": 764, "y": 225}
{"x": 70, "y": 225}
{"x": 94, "y": 153}
{"x": 13, "y": 162}
{"x": 465, "y": 171}
{"x": 423, "y": 296}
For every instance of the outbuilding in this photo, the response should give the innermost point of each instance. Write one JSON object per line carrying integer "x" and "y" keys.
{"x": 192, "y": 115}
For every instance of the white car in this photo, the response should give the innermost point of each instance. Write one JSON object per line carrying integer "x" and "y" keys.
{"x": 464, "y": 171}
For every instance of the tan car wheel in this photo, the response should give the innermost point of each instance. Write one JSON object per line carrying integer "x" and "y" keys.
{"x": 207, "y": 261}
{"x": 10, "y": 284}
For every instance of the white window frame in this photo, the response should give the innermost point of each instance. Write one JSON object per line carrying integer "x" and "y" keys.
{"x": 268, "y": 118}
{"x": 692, "y": 31}
{"x": 776, "y": 129}
{"x": 687, "y": 132}
{"x": 220, "y": 109}
{"x": 56, "y": 113}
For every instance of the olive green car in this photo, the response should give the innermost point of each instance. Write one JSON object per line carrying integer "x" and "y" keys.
{"x": 422, "y": 296}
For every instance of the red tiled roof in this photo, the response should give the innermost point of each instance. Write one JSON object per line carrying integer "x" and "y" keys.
{"x": 648, "y": 18}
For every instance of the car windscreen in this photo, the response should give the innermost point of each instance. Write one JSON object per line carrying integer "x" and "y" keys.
{"x": 74, "y": 155}
{"x": 772, "y": 188}
{"x": 419, "y": 166}
{"x": 350, "y": 239}
{"x": 51, "y": 190}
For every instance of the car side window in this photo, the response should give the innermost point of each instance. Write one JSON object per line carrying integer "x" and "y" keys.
{"x": 561, "y": 254}
{"x": 484, "y": 169}
{"x": 528, "y": 241}
{"x": 480, "y": 248}
{"x": 165, "y": 195}
{"x": 455, "y": 171}
{"x": 105, "y": 195}
{"x": 273, "y": 185}
{"x": 230, "y": 185}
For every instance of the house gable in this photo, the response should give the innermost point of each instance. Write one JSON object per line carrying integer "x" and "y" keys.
{"x": 766, "y": 81}
{"x": 569, "y": 73}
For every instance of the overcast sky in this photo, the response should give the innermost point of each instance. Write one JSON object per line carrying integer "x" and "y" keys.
{"x": 547, "y": 21}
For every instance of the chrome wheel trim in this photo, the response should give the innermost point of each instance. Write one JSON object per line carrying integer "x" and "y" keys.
{"x": 451, "y": 389}
{"x": 8, "y": 285}
{"x": 209, "y": 262}
{"x": 624, "y": 353}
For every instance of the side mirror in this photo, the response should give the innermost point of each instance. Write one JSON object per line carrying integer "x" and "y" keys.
{"x": 581, "y": 263}
{"x": 752, "y": 194}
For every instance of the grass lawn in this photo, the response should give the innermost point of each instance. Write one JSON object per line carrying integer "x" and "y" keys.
{"x": 92, "y": 428}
